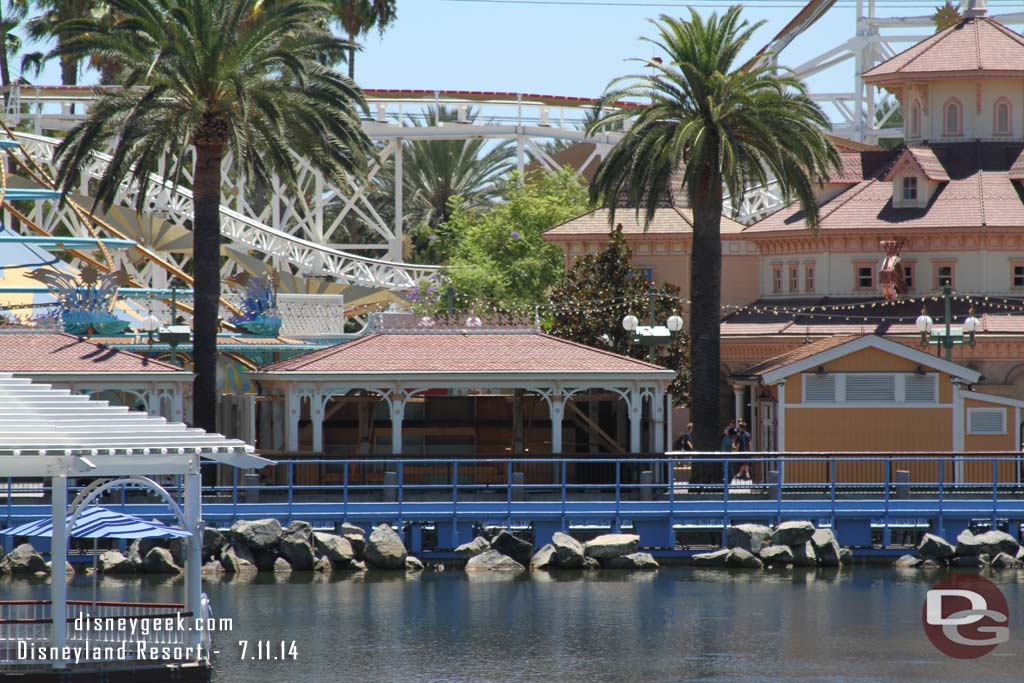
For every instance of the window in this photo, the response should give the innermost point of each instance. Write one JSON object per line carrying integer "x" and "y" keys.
{"x": 1018, "y": 276}
{"x": 777, "y": 279}
{"x": 808, "y": 277}
{"x": 953, "y": 118}
{"x": 910, "y": 189}
{"x": 908, "y": 276}
{"x": 865, "y": 277}
{"x": 1001, "y": 117}
{"x": 794, "y": 278}
{"x": 921, "y": 388}
{"x": 870, "y": 387}
{"x": 915, "y": 120}
{"x": 943, "y": 275}
{"x": 986, "y": 421}
{"x": 819, "y": 388}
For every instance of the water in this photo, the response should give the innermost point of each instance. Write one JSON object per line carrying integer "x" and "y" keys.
{"x": 680, "y": 624}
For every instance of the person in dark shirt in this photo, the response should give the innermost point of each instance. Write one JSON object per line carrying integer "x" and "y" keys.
{"x": 743, "y": 445}
{"x": 686, "y": 440}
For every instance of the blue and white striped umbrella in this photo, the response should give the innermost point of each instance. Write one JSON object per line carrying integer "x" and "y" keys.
{"x": 99, "y": 522}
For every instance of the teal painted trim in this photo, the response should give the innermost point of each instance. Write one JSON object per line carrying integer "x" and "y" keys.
{"x": 63, "y": 242}
{"x": 14, "y": 194}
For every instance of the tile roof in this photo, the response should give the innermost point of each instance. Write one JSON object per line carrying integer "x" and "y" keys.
{"x": 979, "y": 193}
{"x": 922, "y": 158}
{"x": 57, "y": 352}
{"x": 974, "y": 44}
{"x": 799, "y": 353}
{"x": 470, "y": 353}
{"x": 666, "y": 221}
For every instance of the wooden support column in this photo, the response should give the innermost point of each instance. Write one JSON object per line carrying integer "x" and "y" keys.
{"x": 636, "y": 414}
{"x": 557, "y": 406}
{"x": 316, "y": 416}
{"x": 397, "y": 415}
{"x": 292, "y": 412}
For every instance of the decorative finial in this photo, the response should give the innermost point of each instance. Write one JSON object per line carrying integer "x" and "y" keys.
{"x": 975, "y": 9}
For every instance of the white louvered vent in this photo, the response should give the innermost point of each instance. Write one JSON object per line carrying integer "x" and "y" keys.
{"x": 868, "y": 387}
{"x": 819, "y": 388}
{"x": 986, "y": 421}
{"x": 921, "y": 388}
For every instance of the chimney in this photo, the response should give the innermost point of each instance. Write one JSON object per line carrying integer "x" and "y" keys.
{"x": 975, "y": 9}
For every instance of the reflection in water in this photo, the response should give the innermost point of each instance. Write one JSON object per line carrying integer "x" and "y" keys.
{"x": 855, "y": 625}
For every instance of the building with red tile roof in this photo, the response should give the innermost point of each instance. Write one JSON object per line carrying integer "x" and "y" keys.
{"x": 83, "y": 366}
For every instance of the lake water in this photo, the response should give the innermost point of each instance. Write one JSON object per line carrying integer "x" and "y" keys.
{"x": 860, "y": 624}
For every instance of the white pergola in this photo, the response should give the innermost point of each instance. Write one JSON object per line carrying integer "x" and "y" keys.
{"x": 54, "y": 434}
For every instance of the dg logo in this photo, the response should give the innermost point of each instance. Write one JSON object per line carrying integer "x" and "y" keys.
{"x": 965, "y": 616}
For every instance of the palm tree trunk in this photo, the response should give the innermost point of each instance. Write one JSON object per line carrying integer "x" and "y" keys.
{"x": 705, "y": 317}
{"x": 68, "y": 71}
{"x": 352, "y": 56}
{"x": 206, "y": 269}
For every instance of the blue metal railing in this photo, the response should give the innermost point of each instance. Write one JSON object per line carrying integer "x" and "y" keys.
{"x": 826, "y": 484}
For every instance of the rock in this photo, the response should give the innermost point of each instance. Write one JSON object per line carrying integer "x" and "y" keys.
{"x": 590, "y": 563}
{"x": 990, "y": 543}
{"x": 160, "y": 561}
{"x": 296, "y": 546}
{"x": 238, "y": 558}
{"x": 68, "y": 569}
{"x": 545, "y": 558}
{"x": 777, "y": 555}
{"x": 908, "y": 562}
{"x": 608, "y": 546}
{"x": 281, "y": 566}
{"x": 213, "y": 567}
{"x": 1020, "y": 554}
{"x": 715, "y": 559}
{"x": 358, "y": 543}
{"x": 966, "y": 561}
{"x": 792, "y": 533}
{"x": 1003, "y": 561}
{"x": 493, "y": 561}
{"x": 516, "y": 548}
{"x": 934, "y": 547}
{"x": 356, "y": 566}
{"x": 140, "y": 547}
{"x": 983, "y": 559}
{"x": 113, "y": 562}
{"x": 22, "y": 560}
{"x": 351, "y": 530}
{"x": 336, "y": 549}
{"x": 568, "y": 550}
{"x": 473, "y": 548}
{"x": 744, "y": 559}
{"x": 804, "y": 555}
{"x": 323, "y": 565}
{"x": 845, "y": 556}
{"x": 826, "y": 547}
{"x": 637, "y": 561}
{"x": 750, "y": 537}
{"x": 413, "y": 564}
{"x": 265, "y": 559}
{"x": 932, "y": 564}
{"x": 384, "y": 549}
{"x": 260, "y": 534}
{"x": 213, "y": 543}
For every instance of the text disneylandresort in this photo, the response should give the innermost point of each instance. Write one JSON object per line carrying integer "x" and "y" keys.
{"x": 108, "y": 639}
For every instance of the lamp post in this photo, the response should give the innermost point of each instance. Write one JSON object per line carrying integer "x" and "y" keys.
{"x": 652, "y": 335}
{"x": 949, "y": 337}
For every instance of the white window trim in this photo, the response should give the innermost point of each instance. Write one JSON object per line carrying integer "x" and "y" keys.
{"x": 1002, "y": 413}
{"x": 900, "y": 393}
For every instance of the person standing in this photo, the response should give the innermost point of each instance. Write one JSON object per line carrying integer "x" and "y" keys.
{"x": 743, "y": 440}
{"x": 686, "y": 440}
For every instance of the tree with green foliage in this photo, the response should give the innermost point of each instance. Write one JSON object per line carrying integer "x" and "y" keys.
{"x": 12, "y": 14}
{"x": 212, "y": 77}
{"x": 498, "y": 254}
{"x": 43, "y": 27}
{"x": 724, "y": 125}
{"x": 359, "y": 17}
{"x": 600, "y": 290}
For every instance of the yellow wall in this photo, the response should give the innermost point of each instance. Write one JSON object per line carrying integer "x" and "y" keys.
{"x": 991, "y": 442}
{"x": 868, "y": 429}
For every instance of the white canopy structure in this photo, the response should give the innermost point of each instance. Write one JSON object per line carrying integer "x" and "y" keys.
{"x": 57, "y": 435}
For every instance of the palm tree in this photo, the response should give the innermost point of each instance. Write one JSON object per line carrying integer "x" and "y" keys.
{"x": 725, "y": 126}
{"x": 359, "y": 17}
{"x": 44, "y": 26}
{"x": 210, "y": 77}
{"x": 12, "y": 13}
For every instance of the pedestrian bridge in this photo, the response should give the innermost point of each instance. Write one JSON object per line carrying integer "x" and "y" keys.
{"x": 868, "y": 499}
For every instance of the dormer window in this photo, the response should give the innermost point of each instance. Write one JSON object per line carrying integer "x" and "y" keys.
{"x": 953, "y": 118}
{"x": 910, "y": 189}
{"x": 1002, "y": 117}
{"x": 915, "y": 120}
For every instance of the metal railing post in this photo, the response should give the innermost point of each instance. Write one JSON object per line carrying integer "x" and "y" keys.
{"x": 234, "y": 494}
{"x": 671, "y": 488}
{"x": 618, "y": 495}
{"x": 401, "y": 476}
{"x": 508, "y": 479}
{"x": 833, "y": 483}
{"x": 942, "y": 478}
{"x": 995, "y": 491}
{"x": 725, "y": 497}
{"x": 291, "y": 487}
{"x": 565, "y": 497}
{"x": 344, "y": 490}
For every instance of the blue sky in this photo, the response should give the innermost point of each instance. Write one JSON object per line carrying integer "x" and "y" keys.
{"x": 565, "y": 49}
